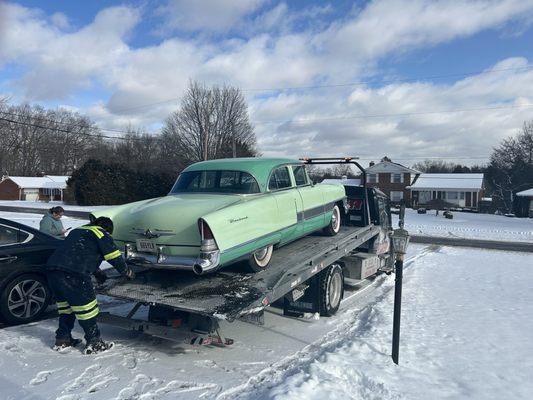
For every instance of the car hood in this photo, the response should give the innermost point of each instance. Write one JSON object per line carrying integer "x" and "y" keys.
{"x": 174, "y": 218}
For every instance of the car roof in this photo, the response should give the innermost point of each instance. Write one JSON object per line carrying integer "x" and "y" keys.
{"x": 259, "y": 167}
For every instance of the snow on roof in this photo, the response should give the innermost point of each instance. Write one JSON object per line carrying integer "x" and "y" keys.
{"x": 526, "y": 193}
{"x": 448, "y": 181}
{"x": 57, "y": 181}
{"x": 40, "y": 182}
{"x": 389, "y": 167}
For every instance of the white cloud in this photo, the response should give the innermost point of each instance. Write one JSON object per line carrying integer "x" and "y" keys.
{"x": 62, "y": 64}
{"x": 206, "y": 15}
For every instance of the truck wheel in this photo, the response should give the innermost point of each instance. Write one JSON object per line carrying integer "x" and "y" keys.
{"x": 335, "y": 224}
{"x": 24, "y": 299}
{"x": 259, "y": 260}
{"x": 331, "y": 282}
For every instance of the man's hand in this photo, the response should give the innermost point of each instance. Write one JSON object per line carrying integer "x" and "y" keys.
{"x": 130, "y": 275}
{"x": 100, "y": 276}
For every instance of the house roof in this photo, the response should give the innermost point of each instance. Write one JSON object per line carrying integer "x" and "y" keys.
{"x": 39, "y": 182}
{"x": 448, "y": 181}
{"x": 389, "y": 167}
{"x": 526, "y": 193}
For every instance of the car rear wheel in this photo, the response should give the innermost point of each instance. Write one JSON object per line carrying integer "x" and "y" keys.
{"x": 24, "y": 299}
{"x": 335, "y": 223}
{"x": 260, "y": 259}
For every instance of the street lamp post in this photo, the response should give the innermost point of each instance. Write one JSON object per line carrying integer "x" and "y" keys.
{"x": 400, "y": 240}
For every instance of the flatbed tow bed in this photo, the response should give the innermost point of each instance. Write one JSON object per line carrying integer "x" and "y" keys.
{"x": 230, "y": 293}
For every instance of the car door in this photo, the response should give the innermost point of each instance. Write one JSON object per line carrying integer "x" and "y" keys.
{"x": 289, "y": 202}
{"x": 20, "y": 249}
{"x": 312, "y": 199}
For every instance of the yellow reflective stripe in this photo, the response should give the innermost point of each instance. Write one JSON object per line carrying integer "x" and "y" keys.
{"x": 112, "y": 255}
{"x": 93, "y": 229}
{"x": 64, "y": 311}
{"x": 62, "y": 304}
{"x": 88, "y": 315}
{"x": 85, "y": 307}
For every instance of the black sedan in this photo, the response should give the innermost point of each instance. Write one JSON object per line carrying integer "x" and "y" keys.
{"x": 24, "y": 292}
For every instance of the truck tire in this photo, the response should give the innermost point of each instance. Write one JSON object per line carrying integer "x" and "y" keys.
{"x": 24, "y": 299}
{"x": 331, "y": 282}
{"x": 335, "y": 223}
{"x": 260, "y": 259}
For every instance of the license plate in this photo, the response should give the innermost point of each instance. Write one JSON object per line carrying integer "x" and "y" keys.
{"x": 146, "y": 246}
{"x": 355, "y": 218}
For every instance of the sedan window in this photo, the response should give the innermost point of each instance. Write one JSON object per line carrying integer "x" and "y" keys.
{"x": 300, "y": 176}
{"x": 279, "y": 179}
{"x": 238, "y": 182}
{"x": 8, "y": 235}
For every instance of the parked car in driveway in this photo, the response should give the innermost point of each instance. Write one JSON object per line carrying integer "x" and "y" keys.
{"x": 222, "y": 211}
{"x": 24, "y": 292}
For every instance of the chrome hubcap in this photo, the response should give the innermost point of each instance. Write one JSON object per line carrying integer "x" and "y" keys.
{"x": 261, "y": 254}
{"x": 26, "y": 298}
{"x": 335, "y": 219}
{"x": 335, "y": 290}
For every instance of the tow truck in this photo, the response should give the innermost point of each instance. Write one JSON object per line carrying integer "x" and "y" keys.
{"x": 305, "y": 277}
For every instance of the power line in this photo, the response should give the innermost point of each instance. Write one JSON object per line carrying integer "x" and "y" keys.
{"x": 410, "y": 114}
{"x": 340, "y": 85}
{"x": 68, "y": 131}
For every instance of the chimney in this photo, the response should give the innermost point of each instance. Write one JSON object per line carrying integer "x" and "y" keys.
{"x": 371, "y": 164}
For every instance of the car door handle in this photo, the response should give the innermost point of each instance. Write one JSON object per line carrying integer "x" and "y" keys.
{"x": 8, "y": 259}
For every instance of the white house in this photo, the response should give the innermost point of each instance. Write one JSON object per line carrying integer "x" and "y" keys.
{"x": 460, "y": 190}
{"x": 33, "y": 188}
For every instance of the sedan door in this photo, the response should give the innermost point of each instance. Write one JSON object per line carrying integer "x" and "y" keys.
{"x": 312, "y": 199}
{"x": 24, "y": 289}
{"x": 289, "y": 203}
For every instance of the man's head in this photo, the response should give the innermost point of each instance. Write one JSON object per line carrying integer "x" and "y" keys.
{"x": 105, "y": 223}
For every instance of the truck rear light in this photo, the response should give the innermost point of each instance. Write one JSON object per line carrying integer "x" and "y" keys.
{"x": 355, "y": 204}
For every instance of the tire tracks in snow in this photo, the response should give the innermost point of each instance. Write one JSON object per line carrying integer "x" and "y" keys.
{"x": 355, "y": 320}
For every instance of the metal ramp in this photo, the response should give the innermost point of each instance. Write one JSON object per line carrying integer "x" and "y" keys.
{"x": 232, "y": 293}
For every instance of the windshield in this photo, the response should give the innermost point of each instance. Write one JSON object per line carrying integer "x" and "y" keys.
{"x": 215, "y": 182}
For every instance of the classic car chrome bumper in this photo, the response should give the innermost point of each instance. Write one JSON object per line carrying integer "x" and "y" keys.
{"x": 207, "y": 261}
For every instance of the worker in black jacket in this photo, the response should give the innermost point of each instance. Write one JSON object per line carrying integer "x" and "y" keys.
{"x": 69, "y": 271}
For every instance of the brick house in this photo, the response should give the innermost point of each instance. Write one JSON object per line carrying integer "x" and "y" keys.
{"x": 392, "y": 179}
{"x": 48, "y": 187}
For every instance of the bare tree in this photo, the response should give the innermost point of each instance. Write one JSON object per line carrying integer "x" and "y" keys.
{"x": 511, "y": 166}
{"x": 34, "y": 140}
{"x": 210, "y": 123}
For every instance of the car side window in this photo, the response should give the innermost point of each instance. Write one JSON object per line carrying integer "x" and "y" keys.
{"x": 279, "y": 179}
{"x": 300, "y": 175}
{"x": 8, "y": 235}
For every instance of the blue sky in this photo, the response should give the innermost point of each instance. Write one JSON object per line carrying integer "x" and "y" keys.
{"x": 415, "y": 61}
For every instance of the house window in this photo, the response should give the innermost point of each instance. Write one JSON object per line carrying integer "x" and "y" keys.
{"x": 462, "y": 195}
{"x": 396, "y": 196}
{"x": 372, "y": 178}
{"x": 452, "y": 195}
{"x": 397, "y": 178}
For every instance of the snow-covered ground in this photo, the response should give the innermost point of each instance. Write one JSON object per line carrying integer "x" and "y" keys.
{"x": 469, "y": 225}
{"x": 466, "y": 333}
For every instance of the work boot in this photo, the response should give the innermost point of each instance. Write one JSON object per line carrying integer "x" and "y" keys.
{"x": 64, "y": 343}
{"x": 98, "y": 346}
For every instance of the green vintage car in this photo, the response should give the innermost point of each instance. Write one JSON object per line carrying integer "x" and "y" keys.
{"x": 223, "y": 211}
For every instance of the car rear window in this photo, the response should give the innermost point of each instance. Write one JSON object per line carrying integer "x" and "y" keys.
{"x": 238, "y": 182}
{"x": 10, "y": 235}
